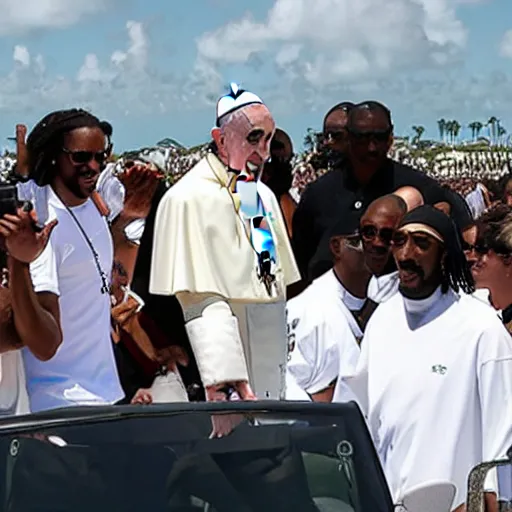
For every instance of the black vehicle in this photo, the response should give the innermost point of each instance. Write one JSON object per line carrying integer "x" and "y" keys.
{"x": 282, "y": 456}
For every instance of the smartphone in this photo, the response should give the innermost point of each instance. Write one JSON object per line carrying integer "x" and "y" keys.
{"x": 133, "y": 295}
{"x": 8, "y": 199}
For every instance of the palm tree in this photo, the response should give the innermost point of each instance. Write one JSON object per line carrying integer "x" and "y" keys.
{"x": 311, "y": 140}
{"x": 441, "y": 124}
{"x": 448, "y": 131}
{"x": 475, "y": 127}
{"x": 452, "y": 130}
{"x": 478, "y": 128}
{"x": 455, "y": 130}
{"x": 419, "y": 130}
{"x": 493, "y": 123}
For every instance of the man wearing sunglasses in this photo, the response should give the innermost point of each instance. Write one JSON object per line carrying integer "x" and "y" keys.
{"x": 366, "y": 174}
{"x": 323, "y": 321}
{"x": 308, "y": 227}
{"x": 435, "y": 365}
{"x": 378, "y": 225}
{"x": 335, "y": 129}
{"x": 63, "y": 297}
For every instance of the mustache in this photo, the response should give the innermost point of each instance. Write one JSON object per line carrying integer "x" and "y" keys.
{"x": 379, "y": 250}
{"x": 410, "y": 266}
{"x": 87, "y": 172}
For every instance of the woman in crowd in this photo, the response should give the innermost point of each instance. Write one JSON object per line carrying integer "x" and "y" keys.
{"x": 492, "y": 258}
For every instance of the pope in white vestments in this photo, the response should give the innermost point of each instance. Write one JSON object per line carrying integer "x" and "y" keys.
{"x": 221, "y": 247}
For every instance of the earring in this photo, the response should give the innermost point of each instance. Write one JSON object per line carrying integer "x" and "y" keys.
{"x": 54, "y": 163}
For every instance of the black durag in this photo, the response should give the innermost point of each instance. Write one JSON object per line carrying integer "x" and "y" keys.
{"x": 456, "y": 268}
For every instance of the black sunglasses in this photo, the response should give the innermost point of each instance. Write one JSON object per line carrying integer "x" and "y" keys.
{"x": 482, "y": 249}
{"x": 84, "y": 157}
{"x": 377, "y": 136}
{"x": 371, "y": 232}
{"x": 334, "y": 136}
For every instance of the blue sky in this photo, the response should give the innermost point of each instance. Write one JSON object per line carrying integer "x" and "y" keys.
{"x": 154, "y": 67}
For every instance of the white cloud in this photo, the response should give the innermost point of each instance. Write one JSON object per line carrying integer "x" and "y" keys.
{"x": 398, "y": 51}
{"x": 136, "y": 55}
{"x": 90, "y": 70}
{"x": 124, "y": 65}
{"x": 26, "y": 15}
{"x": 21, "y": 56}
{"x": 506, "y": 45}
{"x": 333, "y": 41}
{"x": 122, "y": 83}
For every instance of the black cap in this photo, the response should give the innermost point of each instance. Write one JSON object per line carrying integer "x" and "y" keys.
{"x": 346, "y": 225}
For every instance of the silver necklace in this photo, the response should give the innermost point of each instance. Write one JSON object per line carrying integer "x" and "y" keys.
{"x": 105, "y": 287}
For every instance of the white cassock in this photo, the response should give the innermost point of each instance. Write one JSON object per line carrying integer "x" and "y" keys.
{"x": 323, "y": 339}
{"x": 204, "y": 254}
{"x": 435, "y": 381}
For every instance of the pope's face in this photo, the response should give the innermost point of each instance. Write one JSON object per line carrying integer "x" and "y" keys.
{"x": 244, "y": 144}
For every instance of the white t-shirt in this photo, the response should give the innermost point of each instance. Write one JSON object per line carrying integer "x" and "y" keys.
{"x": 83, "y": 371}
{"x": 322, "y": 336}
{"x": 13, "y": 390}
{"x": 435, "y": 380}
{"x": 382, "y": 288}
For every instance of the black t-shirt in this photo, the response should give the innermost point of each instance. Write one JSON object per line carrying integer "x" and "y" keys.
{"x": 336, "y": 193}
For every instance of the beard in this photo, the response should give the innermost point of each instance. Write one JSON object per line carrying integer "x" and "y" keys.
{"x": 74, "y": 185}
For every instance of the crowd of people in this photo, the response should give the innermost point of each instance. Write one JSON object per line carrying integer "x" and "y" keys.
{"x": 379, "y": 284}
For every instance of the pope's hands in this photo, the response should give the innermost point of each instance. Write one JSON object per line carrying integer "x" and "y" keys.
{"x": 223, "y": 424}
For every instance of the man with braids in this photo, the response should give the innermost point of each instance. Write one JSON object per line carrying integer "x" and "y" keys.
{"x": 63, "y": 296}
{"x": 221, "y": 247}
{"x": 435, "y": 365}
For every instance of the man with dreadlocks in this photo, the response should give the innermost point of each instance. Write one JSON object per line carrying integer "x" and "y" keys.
{"x": 63, "y": 296}
{"x": 436, "y": 365}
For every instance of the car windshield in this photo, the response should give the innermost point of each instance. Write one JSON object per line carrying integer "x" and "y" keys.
{"x": 160, "y": 458}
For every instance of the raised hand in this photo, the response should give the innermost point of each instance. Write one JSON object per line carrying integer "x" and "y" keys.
{"x": 21, "y": 150}
{"x": 22, "y": 241}
{"x": 140, "y": 182}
